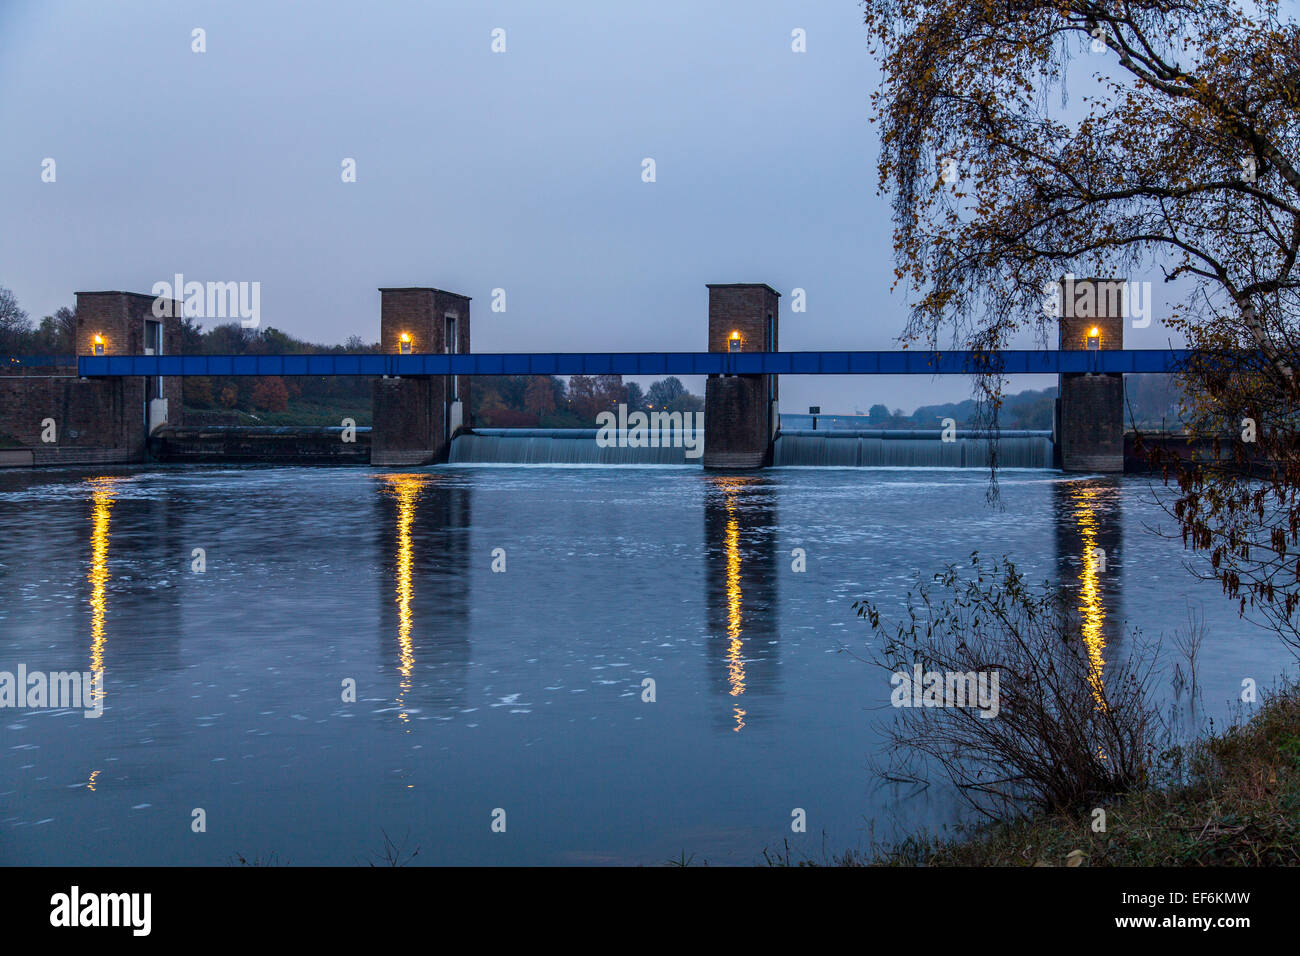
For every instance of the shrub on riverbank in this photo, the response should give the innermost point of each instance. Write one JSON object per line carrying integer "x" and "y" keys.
{"x": 1239, "y": 806}
{"x": 1077, "y": 767}
{"x": 1060, "y": 728}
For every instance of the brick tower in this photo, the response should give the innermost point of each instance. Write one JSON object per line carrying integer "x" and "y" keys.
{"x": 740, "y": 411}
{"x": 417, "y": 416}
{"x": 1090, "y": 409}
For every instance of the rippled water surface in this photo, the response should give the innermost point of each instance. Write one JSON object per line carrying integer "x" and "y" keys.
{"x": 522, "y": 690}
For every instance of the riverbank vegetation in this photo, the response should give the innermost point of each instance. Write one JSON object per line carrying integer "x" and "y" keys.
{"x": 1072, "y": 762}
{"x": 1230, "y": 799}
{"x": 1077, "y": 765}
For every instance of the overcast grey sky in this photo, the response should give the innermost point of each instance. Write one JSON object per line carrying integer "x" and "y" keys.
{"x": 475, "y": 170}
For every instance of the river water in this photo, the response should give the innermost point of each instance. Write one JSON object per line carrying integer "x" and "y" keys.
{"x": 512, "y": 695}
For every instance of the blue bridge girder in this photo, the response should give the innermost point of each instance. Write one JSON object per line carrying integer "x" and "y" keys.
{"x": 1010, "y": 362}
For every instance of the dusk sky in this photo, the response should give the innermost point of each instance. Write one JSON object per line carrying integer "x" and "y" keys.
{"x": 476, "y": 170}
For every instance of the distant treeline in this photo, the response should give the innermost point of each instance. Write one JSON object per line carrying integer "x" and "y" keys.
{"x": 1151, "y": 399}
{"x": 1028, "y": 409}
{"x": 546, "y": 401}
{"x": 55, "y": 334}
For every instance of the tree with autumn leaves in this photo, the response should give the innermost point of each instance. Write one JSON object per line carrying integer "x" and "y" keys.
{"x": 271, "y": 394}
{"x": 1022, "y": 140}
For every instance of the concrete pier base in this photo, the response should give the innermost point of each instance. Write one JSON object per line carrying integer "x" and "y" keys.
{"x": 735, "y": 422}
{"x": 407, "y": 429}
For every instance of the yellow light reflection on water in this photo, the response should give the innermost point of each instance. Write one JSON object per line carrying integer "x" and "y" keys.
{"x": 406, "y": 490}
{"x": 735, "y": 646}
{"x": 1092, "y": 610}
{"x": 101, "y": 496}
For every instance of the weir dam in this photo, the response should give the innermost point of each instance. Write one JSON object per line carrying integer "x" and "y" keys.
{"x": 118, "y": 399}
{"x": 795, "y": 448}
{"x": 802, "y": 447}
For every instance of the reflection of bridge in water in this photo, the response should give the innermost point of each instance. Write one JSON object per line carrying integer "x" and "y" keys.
{"x": 425, "y": 589}
{"x": 743, "y": 574}
{"x": 423, "y": 523}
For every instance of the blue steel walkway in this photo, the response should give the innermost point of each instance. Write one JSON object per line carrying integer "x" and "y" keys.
{"x": 1011, "y": 362}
